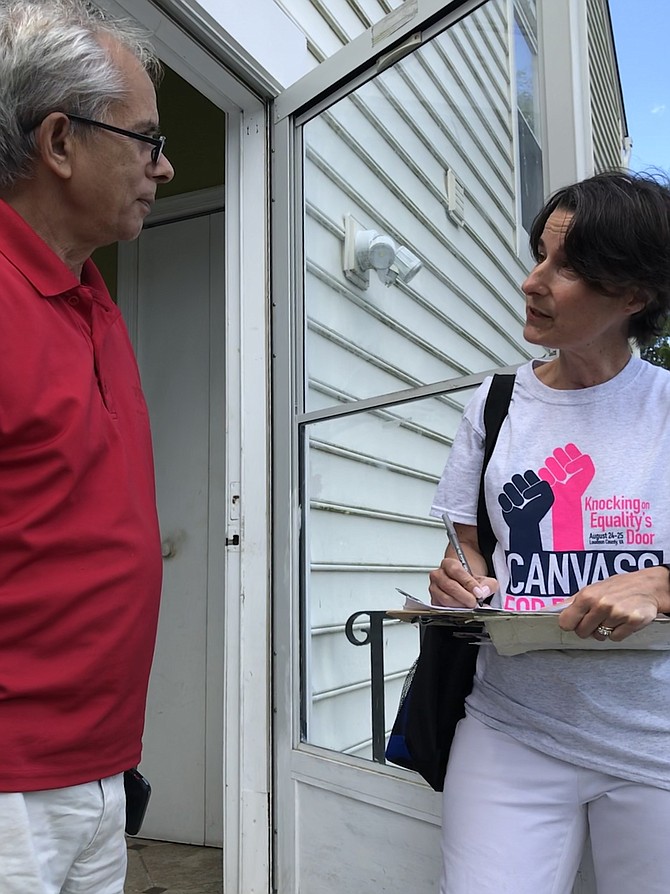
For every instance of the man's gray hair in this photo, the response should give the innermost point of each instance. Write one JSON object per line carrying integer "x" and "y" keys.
{"x": 52, "y": 59}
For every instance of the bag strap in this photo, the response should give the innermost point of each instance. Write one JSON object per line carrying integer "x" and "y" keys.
{"x": 495, "y": 411}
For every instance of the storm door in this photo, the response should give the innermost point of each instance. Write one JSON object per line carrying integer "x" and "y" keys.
{"x": 399, "y": 247}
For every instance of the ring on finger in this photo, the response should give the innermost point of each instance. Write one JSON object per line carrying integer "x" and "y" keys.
{"x": 604, "y": 631}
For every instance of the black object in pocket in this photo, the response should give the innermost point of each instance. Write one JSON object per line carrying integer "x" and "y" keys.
{"x": 138, "y": 792}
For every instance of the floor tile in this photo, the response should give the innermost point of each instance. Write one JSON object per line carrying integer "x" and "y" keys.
{"x": 160, "y": 867}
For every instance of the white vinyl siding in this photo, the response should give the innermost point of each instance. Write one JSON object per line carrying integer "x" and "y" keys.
{"x": 606, "y": 103}
{"x": 329, "y": 26}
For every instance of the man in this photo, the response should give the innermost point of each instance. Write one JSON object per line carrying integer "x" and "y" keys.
{"x": 80, "y": 563}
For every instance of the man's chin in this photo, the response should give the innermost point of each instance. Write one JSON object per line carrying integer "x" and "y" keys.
{"x": 130, "y": 233}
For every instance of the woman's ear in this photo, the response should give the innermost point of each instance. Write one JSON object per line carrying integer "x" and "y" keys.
{"x": 55, "y": 144}
{"x": 637, "y": 300}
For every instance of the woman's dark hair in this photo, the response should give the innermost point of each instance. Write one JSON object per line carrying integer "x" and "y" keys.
{"x": 618, "y": 240}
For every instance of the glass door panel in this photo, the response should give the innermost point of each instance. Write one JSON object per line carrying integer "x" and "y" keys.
{"x": 422, "y": 157}
{"x": 369, "y": 483}
{"x": 411, "y": 277}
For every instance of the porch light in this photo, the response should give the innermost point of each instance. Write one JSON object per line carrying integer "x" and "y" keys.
{"x": 366, "y": 250}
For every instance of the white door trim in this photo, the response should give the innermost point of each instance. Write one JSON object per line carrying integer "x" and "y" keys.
{"x": 246, "y": 703}
{"x": 190, "y": 204}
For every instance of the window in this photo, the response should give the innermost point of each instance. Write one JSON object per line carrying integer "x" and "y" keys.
{"x": 530, "y": 178}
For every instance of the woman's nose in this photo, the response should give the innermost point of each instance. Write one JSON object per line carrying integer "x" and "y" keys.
{"x": 533, "y": 282}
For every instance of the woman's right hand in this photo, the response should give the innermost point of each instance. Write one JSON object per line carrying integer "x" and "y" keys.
{"x": 453, "y": 586}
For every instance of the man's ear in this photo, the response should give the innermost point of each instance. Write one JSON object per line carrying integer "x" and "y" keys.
{"x": 56, "y": 145}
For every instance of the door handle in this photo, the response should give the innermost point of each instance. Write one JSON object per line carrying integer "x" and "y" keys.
{"x": 168, "y": 548}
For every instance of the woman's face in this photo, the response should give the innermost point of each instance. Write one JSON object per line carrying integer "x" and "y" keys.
{"x": 562, "y": 311}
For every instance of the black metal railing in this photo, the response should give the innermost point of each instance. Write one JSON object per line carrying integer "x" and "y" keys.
{"x": 373, "y": 636}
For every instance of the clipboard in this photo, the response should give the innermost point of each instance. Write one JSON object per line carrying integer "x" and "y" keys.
{"x": 512, "y": 633}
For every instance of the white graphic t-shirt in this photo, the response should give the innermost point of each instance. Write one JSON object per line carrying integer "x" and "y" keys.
{"x": 577, "y": 489}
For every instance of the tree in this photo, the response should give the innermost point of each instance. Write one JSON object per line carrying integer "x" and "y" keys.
{"x": 658, "y": 352}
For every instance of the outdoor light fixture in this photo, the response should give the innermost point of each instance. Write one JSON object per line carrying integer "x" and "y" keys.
{"x": 366, "y": 250}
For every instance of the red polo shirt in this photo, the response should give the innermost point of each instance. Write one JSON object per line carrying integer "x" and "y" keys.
{"x": 80, "y": 563}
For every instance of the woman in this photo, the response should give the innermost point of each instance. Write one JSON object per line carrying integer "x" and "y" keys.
{"x": 556, "y": 745}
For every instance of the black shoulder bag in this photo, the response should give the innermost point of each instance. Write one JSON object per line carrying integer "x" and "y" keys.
{"x": 433, "y": 697}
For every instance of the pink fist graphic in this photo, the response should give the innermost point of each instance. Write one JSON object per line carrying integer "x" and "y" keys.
{"x": 569, "y": 472}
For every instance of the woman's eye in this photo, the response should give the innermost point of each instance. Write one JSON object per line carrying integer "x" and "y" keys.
{"x": 568, "y": 270}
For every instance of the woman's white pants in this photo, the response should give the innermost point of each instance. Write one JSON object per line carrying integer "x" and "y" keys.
{"x": 64, "y": 841}
{"x": 515, "y": 821}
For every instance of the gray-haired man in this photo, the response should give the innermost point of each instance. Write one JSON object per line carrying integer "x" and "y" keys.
{"x": 80, "y": 564}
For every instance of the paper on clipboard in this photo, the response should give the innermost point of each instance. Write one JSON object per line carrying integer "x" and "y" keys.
{"x": 414, "y": 603}
{"x": 513, "y": 633}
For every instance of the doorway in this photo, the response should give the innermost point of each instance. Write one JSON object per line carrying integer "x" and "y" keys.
{"x": 240, "y": 361}
{"x": 179, "y": 341}
{"x": 170, "y": 284}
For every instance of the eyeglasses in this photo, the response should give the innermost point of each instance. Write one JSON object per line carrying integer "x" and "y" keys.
{"x": 157, "y": 142}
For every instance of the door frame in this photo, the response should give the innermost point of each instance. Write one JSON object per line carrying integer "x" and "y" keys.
{"x": 246, "y": 662}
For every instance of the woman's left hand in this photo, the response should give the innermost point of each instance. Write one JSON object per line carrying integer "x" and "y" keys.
{"x": 621, "y": 604}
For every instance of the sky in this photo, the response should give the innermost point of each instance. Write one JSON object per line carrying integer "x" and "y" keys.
{"x": 642, "y": 39}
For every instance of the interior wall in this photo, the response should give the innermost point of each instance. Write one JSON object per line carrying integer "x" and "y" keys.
{"x": 195, "y": 131}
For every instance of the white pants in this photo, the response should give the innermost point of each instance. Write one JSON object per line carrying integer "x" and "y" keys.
{"x": 64, "y": 841}
{"x": 515, "y": 821}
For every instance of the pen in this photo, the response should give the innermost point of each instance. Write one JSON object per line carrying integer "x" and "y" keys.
{"x": 458, "y": 549}
{"x": 455, "y": 542}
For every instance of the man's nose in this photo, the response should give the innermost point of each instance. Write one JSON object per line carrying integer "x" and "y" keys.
{"x": 163, "y": 172}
